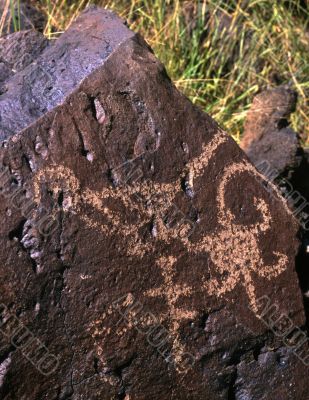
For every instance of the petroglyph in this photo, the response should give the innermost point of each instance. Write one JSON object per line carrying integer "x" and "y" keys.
{"x": 172, "y": 292}
{"x": 157, "y": 198}
{"x": 233, "y": 248}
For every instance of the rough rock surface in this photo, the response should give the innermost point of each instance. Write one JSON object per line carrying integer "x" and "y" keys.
{"x": 276, "y": 151}
{"x": 17, "y": 51}
{"x": 28, "y": 17}
{"x": 267, "y": 135}
{"x": 57, "y": 72}
{"x": 148, "y": 284}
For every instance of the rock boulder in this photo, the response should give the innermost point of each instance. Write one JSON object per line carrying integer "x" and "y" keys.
{"x": 142, "y": 255}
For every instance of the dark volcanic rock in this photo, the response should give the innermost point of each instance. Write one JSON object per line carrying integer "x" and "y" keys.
{"x": 27, "y": 17}
{"x": 276, "y": 151}
{"x": 57, "y": 72}
{"x": 273, "y": 368}
{"x": 5, "y": 71}
{"x": 137, "y": 243}
{"x": 267, "y": 135}
{"x": 22, "y": 48}
{"x": 17, "y": 51}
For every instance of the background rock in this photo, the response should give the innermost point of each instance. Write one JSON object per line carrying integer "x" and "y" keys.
{"x": 56, "y": 73}
{"x": 267, "y": 135}
{"x": 17, "y": 51}
{"x": 30, "y": 17}
{"x": 276, "y": 151}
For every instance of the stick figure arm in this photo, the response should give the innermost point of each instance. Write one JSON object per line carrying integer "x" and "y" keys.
{"x": 272, "y": 271}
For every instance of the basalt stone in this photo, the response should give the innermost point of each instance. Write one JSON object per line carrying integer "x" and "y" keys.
{"x": 276, "y": 151}
{"x": 138, "y": 243}
{"x": 275, "y": 368}
{"x": 267, "y": 135}
{"x": 5, "y": 71}
{"x": 17, "y": 51}
{"x": 25, "y": 15}
{"x": 22, "y": 48}
{"x": 57, "y": 72}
